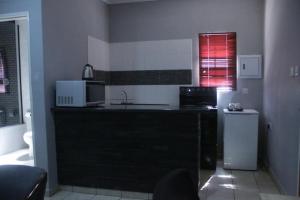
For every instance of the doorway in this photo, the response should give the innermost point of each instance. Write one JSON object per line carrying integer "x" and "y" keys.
{"x": 15, "y": 96}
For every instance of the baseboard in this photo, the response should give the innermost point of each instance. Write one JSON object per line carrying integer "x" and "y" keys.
{"x": 51, "y": 191}
{"x": 276, "y": 181}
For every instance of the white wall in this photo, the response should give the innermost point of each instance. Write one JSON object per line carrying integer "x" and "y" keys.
{"x": 150, "y": 55}
{"x": 98, "y": 53}
{"x": 282, "y": 92}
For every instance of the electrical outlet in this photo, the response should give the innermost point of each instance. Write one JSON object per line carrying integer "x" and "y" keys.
{"x": 292, "y": 71}
{"x": 296, "y": 71}
{"x": 269, "y": 126}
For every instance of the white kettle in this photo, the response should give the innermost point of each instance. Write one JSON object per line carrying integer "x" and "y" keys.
{"x": 88, "y": 72}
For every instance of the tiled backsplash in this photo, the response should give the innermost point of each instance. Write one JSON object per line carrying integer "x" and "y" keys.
{"x": 149, "y": 71}
{"x": 146, "y": 77}
{"x": 101, "y": 75}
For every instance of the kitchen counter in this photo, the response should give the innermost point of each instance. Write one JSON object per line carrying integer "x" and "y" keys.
{"x": 133, "y": 108}
{"x": 127, "y": 147}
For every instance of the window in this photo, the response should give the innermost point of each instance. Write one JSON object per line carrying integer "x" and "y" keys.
{"x": 217, "y": 52}
{"x": 2, "y": 72}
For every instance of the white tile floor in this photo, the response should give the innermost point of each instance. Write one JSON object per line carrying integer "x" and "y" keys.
{"x": 264, "y": 196}
{"x": 20, "y": 157}
{"x": 235, "y": 185}
{"x": 215, "y": 185}
{"x": 67, "y": 195}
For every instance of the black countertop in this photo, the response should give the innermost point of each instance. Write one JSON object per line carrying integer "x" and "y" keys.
{"x": 133, "y": 108}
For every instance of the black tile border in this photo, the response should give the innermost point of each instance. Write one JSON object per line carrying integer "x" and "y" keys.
{"x": 145, "y": 77}
{"x": 102, "y": 76}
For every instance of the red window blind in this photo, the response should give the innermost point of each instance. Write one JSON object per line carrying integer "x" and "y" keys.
{"x": 2, "y": 73}
{"x": 217, "y": 52}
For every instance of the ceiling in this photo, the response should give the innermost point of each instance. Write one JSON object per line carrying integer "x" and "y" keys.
{"x": 124, "y": 1}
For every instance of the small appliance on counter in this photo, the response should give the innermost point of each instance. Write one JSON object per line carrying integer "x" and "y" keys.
{"x": 204, "y": 99}
{"x": 235, "y": 107}
{"x": 80, "y": 93}
{"x": 198, "y": 97}
{"x": 88, "y": 72}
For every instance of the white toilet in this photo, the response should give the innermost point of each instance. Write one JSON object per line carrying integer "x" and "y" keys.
{"x": 28, "y": 140}
{"x": 28, "y": 134}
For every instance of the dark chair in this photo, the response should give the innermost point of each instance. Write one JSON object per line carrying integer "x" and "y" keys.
{"x": 177, "y": 185}
{"x": 19, "y": 182}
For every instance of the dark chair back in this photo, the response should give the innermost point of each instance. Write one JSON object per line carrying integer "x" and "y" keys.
{"x": 19, "y": 182}
{"x": 177, "y": 185}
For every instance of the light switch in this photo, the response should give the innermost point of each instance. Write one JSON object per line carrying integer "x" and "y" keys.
{"x": 245, "y": 90}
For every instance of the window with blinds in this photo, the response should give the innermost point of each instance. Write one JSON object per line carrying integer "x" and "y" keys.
{"x": 217, "y": 52}
{"x": 2, "y": 72}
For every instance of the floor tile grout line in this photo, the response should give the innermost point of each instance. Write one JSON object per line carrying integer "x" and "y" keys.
{"x": 256, "y": 182}
{"x": 233, "y": 183}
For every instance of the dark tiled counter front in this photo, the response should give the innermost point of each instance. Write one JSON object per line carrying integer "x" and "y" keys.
{"x": 125, "y": 147}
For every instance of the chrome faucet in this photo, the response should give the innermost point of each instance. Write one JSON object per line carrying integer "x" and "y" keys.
{"x": 124, "y": 100}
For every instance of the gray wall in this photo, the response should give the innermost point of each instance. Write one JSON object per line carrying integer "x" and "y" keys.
{"x": 282, "y": 92}
{"x": 67, "y": 25}
{"x": 172, "y": 19}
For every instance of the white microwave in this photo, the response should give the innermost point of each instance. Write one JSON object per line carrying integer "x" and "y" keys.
{"x": 80, "y": 93}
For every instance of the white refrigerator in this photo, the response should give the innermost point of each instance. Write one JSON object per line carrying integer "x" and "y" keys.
{"x": 240, "y": 139}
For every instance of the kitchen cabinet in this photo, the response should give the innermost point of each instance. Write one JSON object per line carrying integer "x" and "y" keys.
{"x": 209, "y": 124}
{"x": 126, "y": 148}
{"x": 250, "y": 66}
